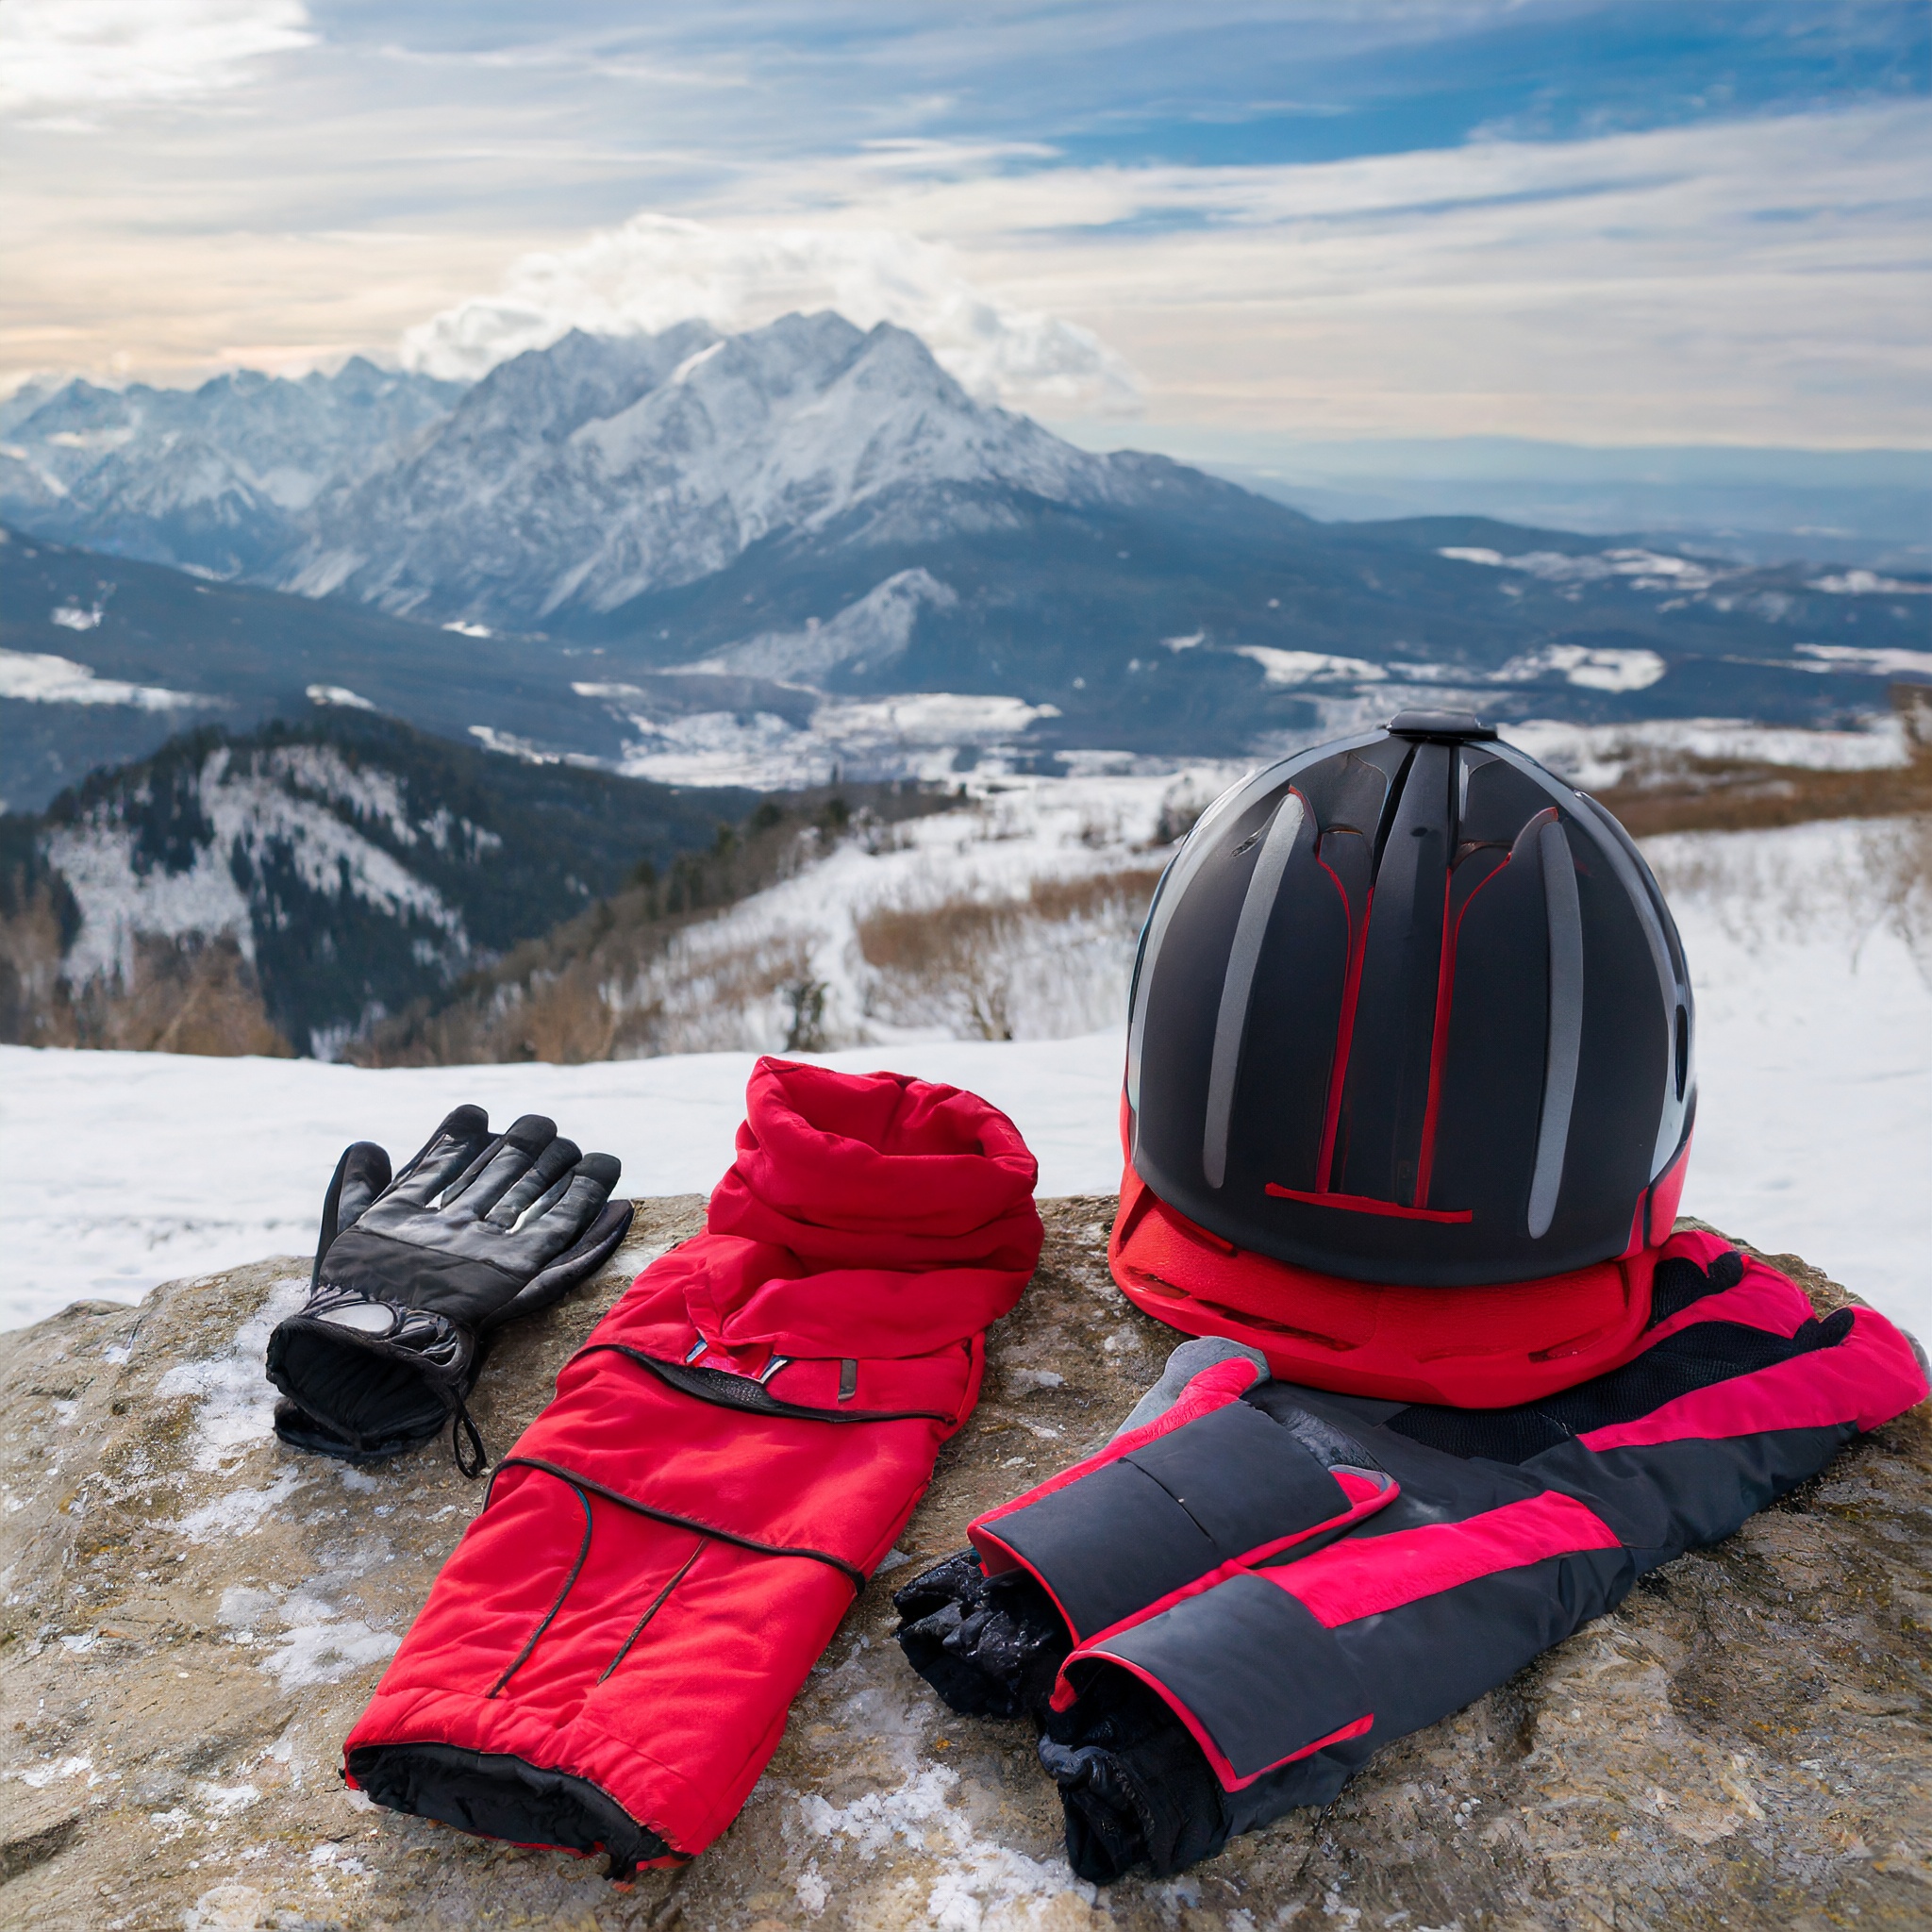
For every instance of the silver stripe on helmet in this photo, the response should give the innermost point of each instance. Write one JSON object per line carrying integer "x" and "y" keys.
{"x": 1565, "y": 914}
{"x": 1673, "y": 992}
{"x": 1238, "y": 983}
{"x": 1188, "y": 862}
{"x": 1678, "y": 1101}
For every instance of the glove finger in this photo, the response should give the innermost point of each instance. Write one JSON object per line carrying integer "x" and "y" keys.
{"x": 550, "y": 1167}
{"x": 591, "y": 1183}
{"x": 360, "y": 1175}
{"x": 364, "y": 1175}
{"x": 499, "y": 1167}
{"x": 565, "y": 1212}
{"x": 578, "y": 1263}
{"x": 465, "y": 1131}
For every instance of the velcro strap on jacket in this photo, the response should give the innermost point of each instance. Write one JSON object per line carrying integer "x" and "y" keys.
{"x": 1170, "y": 1509}
{"x": 1257, "y": 1680}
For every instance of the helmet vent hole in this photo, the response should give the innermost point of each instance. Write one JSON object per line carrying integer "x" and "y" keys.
{"x": 1683, "y": 1050}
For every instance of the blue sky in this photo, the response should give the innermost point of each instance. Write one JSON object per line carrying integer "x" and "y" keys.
{"x": 1595, "y": 223}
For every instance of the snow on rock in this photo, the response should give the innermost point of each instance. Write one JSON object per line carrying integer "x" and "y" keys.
{"x": 315, "y": 1642}
{"x": 235, "y": 1401}
{"x": 242, "y": 1512}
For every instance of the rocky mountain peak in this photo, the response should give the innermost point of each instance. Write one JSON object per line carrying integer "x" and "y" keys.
{"x": 213, "y": 477}
{"x": 545, "y": 394}
{"x": 585, "y": 475}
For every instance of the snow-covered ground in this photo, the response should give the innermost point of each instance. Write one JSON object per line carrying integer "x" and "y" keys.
{"x": 1811, "y": 948}
{"x": 121, "y": 1170}
{"x": 1596, "y": 757}
{"x": 934, "y": 735}
{"x": 1811, "y": 951}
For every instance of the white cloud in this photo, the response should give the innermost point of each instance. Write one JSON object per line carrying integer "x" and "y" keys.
{"x": 89, "y": 53}
{"x": 655, "y": 271}
{"x": 1740, "y": 281}
{"x": 1754, "y": 280}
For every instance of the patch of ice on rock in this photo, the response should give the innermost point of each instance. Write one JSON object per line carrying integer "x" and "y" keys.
{"x": 318, "y": 1644}
{"x": 237, "y": 1401}
{"x": 240, "y": 1512}
{"x": 978, "y": 1877}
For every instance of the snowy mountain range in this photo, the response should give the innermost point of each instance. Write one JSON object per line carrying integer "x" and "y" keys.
{"x": 573, "y": 479}
{"x": 581, "y": 478}
{"x": 217, "y": 479}
{"x": 758, "y": 557}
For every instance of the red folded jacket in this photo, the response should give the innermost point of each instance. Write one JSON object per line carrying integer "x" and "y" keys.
{"x": 606, "y": 1659}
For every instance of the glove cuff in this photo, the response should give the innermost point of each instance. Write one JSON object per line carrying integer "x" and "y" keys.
{"x": 296, "y": 1426}
{"x": 377, "y": 1375}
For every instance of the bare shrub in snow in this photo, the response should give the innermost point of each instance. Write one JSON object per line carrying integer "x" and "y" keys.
{"x": 34, "y": 1008}
{"x": 186, "y": 993}
{"x": 1053, "y": 962}
{"x": 1898, "y": 859}
{"x": 714, "y": 991}
{"x": 1806, "y": 884}
{"x": 1699, "y": 776}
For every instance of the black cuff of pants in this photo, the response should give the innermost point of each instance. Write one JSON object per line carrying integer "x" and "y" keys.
{"x": 1133, "y": 1783}
{"x": 990, "y": 1645}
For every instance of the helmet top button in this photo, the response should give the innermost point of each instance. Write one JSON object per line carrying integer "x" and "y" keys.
{"x": 1449, "y": 727}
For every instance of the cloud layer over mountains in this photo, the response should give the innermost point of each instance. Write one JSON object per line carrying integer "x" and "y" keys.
{"x": 653, "y": 271}
{"x": 1576, "y": 220}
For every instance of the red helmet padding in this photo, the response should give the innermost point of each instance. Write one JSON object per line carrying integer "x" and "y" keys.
{"x": 1664, "y": 1194}
{"x": 1470, "y": 1347}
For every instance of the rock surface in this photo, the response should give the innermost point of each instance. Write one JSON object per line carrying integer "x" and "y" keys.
{"x": 193, "y": 1617}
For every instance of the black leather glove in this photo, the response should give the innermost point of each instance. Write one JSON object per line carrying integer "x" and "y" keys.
{"x": 415, "y": 1275}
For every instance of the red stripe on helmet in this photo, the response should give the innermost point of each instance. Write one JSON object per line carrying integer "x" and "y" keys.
{"x": 1366, "y": 1203}
{"x": 1438, "y": 1042}
{"x": 1344, "y": 1033}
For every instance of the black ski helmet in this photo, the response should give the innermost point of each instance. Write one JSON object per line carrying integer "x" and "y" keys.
{"x": 1408, "y": 1010}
